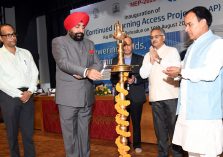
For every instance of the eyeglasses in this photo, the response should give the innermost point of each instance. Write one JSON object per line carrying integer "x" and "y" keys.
{"x": 155, "y": 36}
{"x": 9, "y": 35}
{"x": 128, "y": 44}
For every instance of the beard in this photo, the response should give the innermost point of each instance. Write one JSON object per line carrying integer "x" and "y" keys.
{"x": 77, "y": 36}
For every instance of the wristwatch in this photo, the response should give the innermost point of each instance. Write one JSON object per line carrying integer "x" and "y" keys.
{"x": 179, "y": 76}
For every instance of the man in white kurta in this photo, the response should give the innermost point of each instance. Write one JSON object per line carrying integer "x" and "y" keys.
{"x": 163, "y": 91}
{"x": 199, "y": 128}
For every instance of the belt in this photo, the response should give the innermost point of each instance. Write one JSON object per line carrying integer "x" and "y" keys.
{"x": 23, "y": 89}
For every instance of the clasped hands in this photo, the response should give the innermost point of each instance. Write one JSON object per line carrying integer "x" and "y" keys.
{"x": 154, "y": 57}
{"x": 171, "y": 71}
{"x": 25, "y": 96}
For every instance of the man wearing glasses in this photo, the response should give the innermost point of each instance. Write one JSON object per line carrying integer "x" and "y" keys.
{"x": 18, "y": 81}
{"x": 163, "y": 90}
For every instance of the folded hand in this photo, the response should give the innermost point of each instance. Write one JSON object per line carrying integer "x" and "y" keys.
{"x": 25, "y": 96}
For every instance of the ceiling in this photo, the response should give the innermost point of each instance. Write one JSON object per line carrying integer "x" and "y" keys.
{"x": 11, "y": 3}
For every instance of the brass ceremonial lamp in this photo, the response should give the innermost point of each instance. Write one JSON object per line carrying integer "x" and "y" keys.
{"x": 121, "y": 102}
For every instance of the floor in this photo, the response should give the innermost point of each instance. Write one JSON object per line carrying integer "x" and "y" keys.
{"x": 51, "y": 145}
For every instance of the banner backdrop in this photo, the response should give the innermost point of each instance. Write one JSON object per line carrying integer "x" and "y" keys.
{"x": 138, "y": 17}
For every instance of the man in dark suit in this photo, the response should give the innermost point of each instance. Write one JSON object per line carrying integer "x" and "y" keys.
{"x": 77, "y": 67}
{"x": 136, "y": 88}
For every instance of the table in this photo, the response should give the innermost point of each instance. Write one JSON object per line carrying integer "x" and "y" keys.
{"x": 103, "y": 120}
{"x": 102, "y": 123}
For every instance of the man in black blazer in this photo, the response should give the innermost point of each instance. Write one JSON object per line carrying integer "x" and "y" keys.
{"x": 136, "y": 88}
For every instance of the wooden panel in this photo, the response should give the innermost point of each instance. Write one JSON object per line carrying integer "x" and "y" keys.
{"x": 38, "y": 116}
{"x": 108, "y": 97}
{"x": 147, "y": 130}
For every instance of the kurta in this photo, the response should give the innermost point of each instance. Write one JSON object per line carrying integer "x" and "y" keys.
{"x": 202, "y": 136}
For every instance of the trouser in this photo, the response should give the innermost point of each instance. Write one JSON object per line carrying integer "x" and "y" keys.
{"x": 164, "y": 118}
{"x": 135, "y": 111}
{"x": 75, "y": 129}
{"x": 18, "y": 115}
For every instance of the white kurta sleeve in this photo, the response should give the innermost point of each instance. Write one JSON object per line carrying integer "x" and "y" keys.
{"x": 146, "y": 67}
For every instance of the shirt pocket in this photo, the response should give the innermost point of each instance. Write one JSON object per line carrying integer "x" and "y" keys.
{"x": 24, "y": 66}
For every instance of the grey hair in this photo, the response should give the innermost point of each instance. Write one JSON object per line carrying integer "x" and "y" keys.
{"x": 160, "y": 29}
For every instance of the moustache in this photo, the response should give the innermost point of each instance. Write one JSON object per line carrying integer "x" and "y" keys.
{"x": 154, "y": 42}
{"x": 77, "y": 36}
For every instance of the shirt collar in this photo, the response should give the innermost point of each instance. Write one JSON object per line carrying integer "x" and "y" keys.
{"x": 6, "y": 50}
{"x": 203, "y": 36}
{"x": 129, "y": 56}
{"x": 162, "y": 47}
